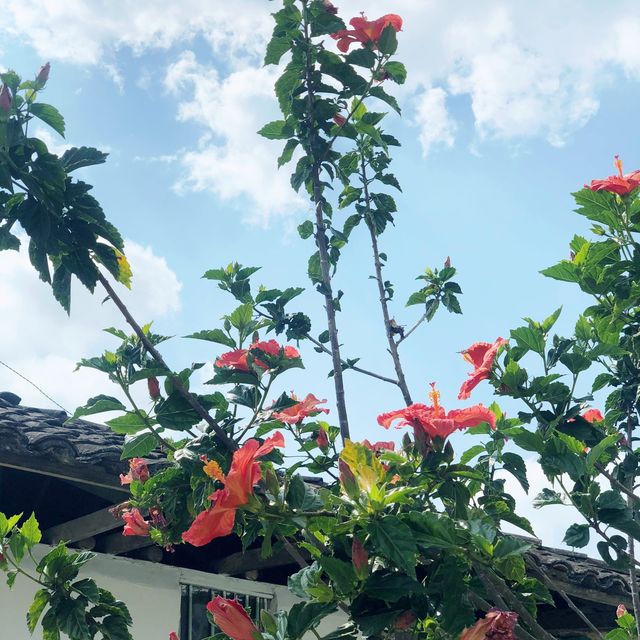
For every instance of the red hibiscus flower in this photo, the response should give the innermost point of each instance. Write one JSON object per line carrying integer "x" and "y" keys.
{"x": 135, "y": 524}
{"x": 434, "y": 420}
{"x": 218, "y": 520}
{"x": 620, "y": 184}
{"x": 496, "y": 625}
{"x": 138, "y": 470}
{"x": 236, "y": 359}
{"x": 303, "y": 409}
{"x": 366, "y": 32}
{"x": 593, "y": 415}
{"x": 232, "y": 619}
{"x": 482, "y": 356}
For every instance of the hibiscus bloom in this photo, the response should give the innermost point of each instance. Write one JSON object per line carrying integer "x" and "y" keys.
{"x": 217, "y": 521}
{"x": 135, "y": 524}
{"x": 434, "y": 421}
{"x": 496, "y": 625}
{"x": 593, "y": 415}
{"x": 138, "y": 470}
{"x": 366, "y": 32}
{"x": 232, "y": 619}
{"x": 301, "y": 410}
{"x": 481, "y": 355}
{"x": 620, "y": 184}
{"x": 236, "y": 359}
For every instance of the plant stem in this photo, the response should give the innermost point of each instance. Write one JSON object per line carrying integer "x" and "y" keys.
{"x": 393, "y": 347}
{"x": 366, "y": 372}
{"x": 571, "y": 604}
{"x": 177, "y": 383}
{"x": 633, "y": 573}
{"x": 322, "y": 242}
{"x": 145, "y": 419}
{"x": 415, "y": 326}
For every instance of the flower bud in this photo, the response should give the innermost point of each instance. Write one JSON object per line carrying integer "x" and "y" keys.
{"x": 43, "y": 74}
{"x": 621, "y": 611}
{"x": 322, "y": 440}
{"x": 348, "y": 480}
{"x": 360, "y": 559}
{"x": 173, "y": 636}
{"x": 329, "y": 7}
{"x": 340, "y": 120}
{"x": 404, "y": 621}
{"x": 5, "y": 99}
{"x": 447, "y": 262}
{"x": 154, "y": 388}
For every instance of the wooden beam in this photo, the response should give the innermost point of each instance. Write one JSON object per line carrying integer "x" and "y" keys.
{"x": 116, "y": 543}
{"x": 83, "y": 527}
{"x": 241, "y": 563}
{"x": 83, "y": 473}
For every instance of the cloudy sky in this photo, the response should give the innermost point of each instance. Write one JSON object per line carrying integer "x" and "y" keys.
{"x": 509, "y": 107}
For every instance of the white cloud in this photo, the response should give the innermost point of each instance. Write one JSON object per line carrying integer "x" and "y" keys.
{"x": 48, "y": 357}
{"x": 431, "y": 116}
{"x": 231, "y": 160}
{"x": 524, "y": 75}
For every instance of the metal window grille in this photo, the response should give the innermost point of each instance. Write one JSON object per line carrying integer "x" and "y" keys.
{"x": 194, "y": 622}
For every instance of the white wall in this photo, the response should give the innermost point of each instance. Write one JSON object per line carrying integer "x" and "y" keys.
{"x": 151, "y": 591}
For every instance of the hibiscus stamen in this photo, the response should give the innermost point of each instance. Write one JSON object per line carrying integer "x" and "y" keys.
{"x": 434, "y": 395}
{"x": 617, "y": 163}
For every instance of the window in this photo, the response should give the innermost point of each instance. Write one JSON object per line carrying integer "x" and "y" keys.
{"x": 194, "y": 624}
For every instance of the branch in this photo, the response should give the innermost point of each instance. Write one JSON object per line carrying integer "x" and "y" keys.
{"x": 322, "y": 242}
{"x": 617, "y": 484}
{"x": 415, "y": 326}
{"x": 366, "y": 372}
{"x": 177, "y": 383}
{"x": 572, "y": 605}
{"x": 633, "y": 574}
{"x": 393, "y": 347}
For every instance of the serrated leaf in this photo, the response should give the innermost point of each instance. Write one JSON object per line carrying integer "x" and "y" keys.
{"x": 50, "y": 115}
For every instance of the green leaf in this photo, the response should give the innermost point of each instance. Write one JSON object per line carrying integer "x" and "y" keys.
{"x": 98, "y": 404}
{"x": 395, "y": 541}
{"x": 391, "y": 587}
{"x": 396, "y": 71}
{"x": 340, "y": 572}
{"x": 314, "y": 268}
{"x": 547, "y": 497}
{"x": 138, "y": 446}
{"x": 471, "y": 453}
{"x": 287, "y": 152}
{"x": 277, "y": 130}
{"x": 577, "y": 535}
{"x": 277, "y": 47}
{"x": 418, "y": 297}
{"x": 388, "y": 41}
{"x": 430, "y": 308}
{"x": 510, "y": 546}
{"x": 515, "y": 465}
{"x": 575, "y": 362}
{"x": 129, "y": 423}
{"x": 214, "y": 335}
{"x": 30, "y": 531}
{"x": 40, "y": 601}
{"x": 88, "y": 588}
{"x": 363, "y": 57}
{"x": 305, "y": 230}
{"x": 176, "y": 413}
{"x": 50, "y": 115}
{"x": 529, "y": 339}
{"x": 565, "y": 271}
{"x": 78, "y": 157}
{"x": 304, "y": 616}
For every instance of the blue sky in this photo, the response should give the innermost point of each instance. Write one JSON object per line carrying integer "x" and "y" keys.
{"x": 505, "y": 115}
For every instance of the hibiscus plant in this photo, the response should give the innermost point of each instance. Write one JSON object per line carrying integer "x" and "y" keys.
{"x": 400, "y": 538}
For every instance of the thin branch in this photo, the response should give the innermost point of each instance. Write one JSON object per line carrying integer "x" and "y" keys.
{"x": 366, "y": 372}
{"x": 501, "y": 590}
{"x": 617, "y": 484}
{"x": 393, "y": 347}
{"x": 415, "y": 326}
{"x": 177, "y": 383}
{"x": 633, "y": 573}
{"x": 571, "y": 604}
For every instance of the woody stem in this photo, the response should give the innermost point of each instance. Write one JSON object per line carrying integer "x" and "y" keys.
{"x": 393, "y": 346}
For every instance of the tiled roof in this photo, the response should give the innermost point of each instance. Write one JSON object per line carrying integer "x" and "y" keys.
{"x": 44, "y": 434}
{"x": 578, "y": 569}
